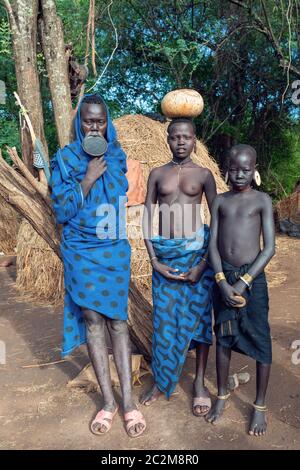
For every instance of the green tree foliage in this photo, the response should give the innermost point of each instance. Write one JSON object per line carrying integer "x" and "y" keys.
{"x": 9, "y": 134}
{"x": 242, "y": 56}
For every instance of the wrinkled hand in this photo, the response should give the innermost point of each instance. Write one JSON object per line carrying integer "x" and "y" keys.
{"x": 96, "y": 168}
{"x": 166, "y": 271}
{"x": 193, "y": 275}
{"x": 228, "y": 294}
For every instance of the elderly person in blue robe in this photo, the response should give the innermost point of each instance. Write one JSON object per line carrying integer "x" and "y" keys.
{"x": 89, "y": 196}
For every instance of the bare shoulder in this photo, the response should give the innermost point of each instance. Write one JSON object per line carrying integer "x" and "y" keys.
{"x": 154, "y": 173}
{"x": 220, "y": 199}
{"x": 204, "y": 173}
{"x": 159, "y": 169}
{"x": 263, "y": 198}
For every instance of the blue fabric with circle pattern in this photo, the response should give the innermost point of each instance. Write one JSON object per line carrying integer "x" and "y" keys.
{"x": 94, "y": 246}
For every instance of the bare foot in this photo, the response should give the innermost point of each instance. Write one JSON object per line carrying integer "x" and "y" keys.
{"x": 150, "y": 396}
{"x": 201, "y": 391}
{"x": 258, "y": 426}
{"x": 216, "y": 411}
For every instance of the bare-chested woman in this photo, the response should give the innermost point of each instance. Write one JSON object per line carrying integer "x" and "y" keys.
{"x": 181, "y": 280}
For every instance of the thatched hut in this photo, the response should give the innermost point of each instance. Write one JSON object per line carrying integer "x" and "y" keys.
{"x": 39, "y": 270}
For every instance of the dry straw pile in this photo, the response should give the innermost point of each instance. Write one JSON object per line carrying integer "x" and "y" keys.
{"x": 39, "y": 270}
{"x": 9, "y": 226}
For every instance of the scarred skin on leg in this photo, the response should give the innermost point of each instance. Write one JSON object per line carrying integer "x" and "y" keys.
{"x": 97, "y": 348}
{"x": 96, "y": 343}
{"x": 239, "y": 218}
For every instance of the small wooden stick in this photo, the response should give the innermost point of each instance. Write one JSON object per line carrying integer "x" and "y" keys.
{"x": 41, "y": 172}
{"x": 43, "y": 365}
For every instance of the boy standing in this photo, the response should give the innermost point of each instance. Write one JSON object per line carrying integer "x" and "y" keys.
{"x": 239, "y": 217}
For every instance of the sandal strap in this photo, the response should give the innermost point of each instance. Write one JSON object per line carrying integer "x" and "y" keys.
{"x": 102, "y": 418}
{"x": 134, "y": 417}
{"x": 202, "y": 401}
{"x": 103, "y": 414}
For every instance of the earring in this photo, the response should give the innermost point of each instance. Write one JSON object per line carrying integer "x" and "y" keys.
{"x": 257, "y": 178}
{"x": 226, "y": 177}
{"x": 195, "y": 148}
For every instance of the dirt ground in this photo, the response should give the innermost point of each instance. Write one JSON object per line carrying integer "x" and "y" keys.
{"x": 38, "y": 411}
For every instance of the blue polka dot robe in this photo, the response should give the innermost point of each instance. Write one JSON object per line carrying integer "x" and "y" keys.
{"x": 94, "y": 246}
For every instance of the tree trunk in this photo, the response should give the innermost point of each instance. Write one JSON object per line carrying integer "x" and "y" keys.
{"x": 23, "y": 23}
{"x": 52, "y": 40}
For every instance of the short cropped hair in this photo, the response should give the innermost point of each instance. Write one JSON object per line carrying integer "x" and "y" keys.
{"x": 236, "y": 149}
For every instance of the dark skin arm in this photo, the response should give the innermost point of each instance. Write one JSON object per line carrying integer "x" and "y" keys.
{"x": 228, "y": 291}
{"x": 259, "y": 263}
{"x": 193, "y": 275}
{"x": 210, "y": 190}
{"x": 268, "y": 251}
{"x": 149, "y": 207}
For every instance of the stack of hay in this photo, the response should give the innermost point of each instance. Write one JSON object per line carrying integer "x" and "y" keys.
{"x": 145, "y": 140}
{"x": 39, "y": 270}
{"x": 9, "y": 226}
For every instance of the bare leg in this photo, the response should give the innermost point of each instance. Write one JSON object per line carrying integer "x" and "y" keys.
{"x": 96, "y": 343}
{"x": 202, "y": 350}
{"x": 223, "y": 364}
{"x": 122, "y": 353}
{"x": 151, "y": 395}
{"x": 258, "y": 424}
